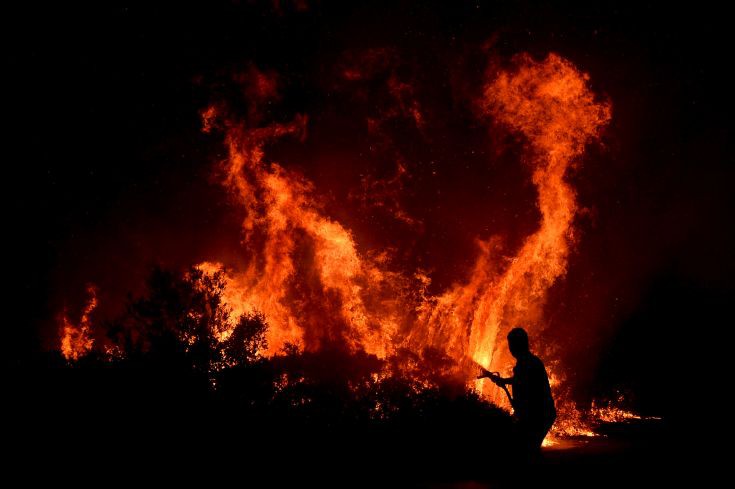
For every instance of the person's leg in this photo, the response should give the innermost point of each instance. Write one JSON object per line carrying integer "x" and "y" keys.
{"x": 529, "y": 433}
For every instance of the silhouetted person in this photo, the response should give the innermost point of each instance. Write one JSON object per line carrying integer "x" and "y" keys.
{"x": 532, "y": 402}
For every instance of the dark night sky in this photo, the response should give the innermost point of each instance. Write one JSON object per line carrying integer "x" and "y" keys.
{"x": 107, "y": 163}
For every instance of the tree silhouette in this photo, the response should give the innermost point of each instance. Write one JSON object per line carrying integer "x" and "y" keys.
{"x": 246, "y": 342}
{"x": 185, "y": 363}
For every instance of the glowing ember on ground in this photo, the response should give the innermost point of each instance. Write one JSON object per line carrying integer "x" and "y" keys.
{"x": 611, "y": 412}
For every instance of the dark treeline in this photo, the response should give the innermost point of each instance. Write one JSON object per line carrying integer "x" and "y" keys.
{"x": 159, "y": 379}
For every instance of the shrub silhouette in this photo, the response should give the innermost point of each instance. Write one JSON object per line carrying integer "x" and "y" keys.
{"x": 176, "y": 373}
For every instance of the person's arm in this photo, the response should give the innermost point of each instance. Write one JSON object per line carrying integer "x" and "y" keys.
{"x": 501, "y": 382}
{"x": 497, "y": 379}
{"x": 504, "y": 380}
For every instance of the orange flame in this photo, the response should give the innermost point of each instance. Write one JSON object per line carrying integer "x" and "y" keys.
{"x": 320, "y": 298}
{"x": 307, "y": 276}
{"x": 304, "y": 270}
{"x": 75, "y": 338}
{"x": 550, "y": 105}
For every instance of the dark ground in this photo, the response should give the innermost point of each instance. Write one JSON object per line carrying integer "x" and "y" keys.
{"x": 632, "y": 456}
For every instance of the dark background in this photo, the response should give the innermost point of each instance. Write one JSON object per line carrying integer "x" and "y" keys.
{"x": 107, "y": 170}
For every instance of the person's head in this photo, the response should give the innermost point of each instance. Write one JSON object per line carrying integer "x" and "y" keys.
{"x": 518, "y": 342}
